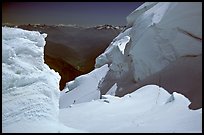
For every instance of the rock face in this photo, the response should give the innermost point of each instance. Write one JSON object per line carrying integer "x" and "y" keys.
{"x": 161, "y": 39}
{"x": 72, "y": 50}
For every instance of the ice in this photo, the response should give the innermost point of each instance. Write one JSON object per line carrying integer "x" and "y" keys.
{"x": 30, "y": 89}
{"x": 112, "y": 90}
{"x": 83, "y": 89}
{"x": 159, "y": 34}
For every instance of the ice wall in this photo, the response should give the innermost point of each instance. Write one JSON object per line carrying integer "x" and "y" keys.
{"x": 158, "y": 34}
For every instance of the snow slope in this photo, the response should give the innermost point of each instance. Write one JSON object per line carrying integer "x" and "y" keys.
{"x": 30, "y": 89}
{"x": 158, "y": 34}
{"x": 149, "y": 109}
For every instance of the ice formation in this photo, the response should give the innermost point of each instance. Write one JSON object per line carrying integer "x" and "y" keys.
{"x": 158, "y": 34}
{"x": 30, "y": 89}
{"x": 84, "y": 88}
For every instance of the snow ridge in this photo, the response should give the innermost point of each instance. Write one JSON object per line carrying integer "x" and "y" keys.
{"x": 150, "y": 109}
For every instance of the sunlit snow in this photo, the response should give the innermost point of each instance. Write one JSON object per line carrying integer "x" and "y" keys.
{"x": 156, "y": 35}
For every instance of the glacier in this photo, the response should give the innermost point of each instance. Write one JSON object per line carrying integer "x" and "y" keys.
{"x": 160, "y": 33}
{"x": 155, "y": 38}
{"x": 160, "y": 36}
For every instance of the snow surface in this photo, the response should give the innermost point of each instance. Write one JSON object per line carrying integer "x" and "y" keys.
{"x": 149, "y": 109}
{"x": 30, "y": 89}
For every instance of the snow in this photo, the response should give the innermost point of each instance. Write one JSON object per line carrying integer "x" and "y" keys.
{"x": 122, "y": 45}
{"x": 157, "y": 35}
{"x": 148, "y": 45}
{"x": 30, "y": 89}
{"x": 137, "y": 12}
{"x": 149, "y": 109}
{"x": 40, "y": 127}
{"x": 83, "y": 89}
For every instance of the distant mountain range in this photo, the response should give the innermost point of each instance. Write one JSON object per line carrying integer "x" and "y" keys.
{"x": 105, "y": 26}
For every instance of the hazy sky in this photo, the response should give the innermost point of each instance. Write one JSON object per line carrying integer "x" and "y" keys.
{"x": 80, "y": 13}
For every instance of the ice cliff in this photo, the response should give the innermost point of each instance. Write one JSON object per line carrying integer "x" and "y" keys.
{"x": 157, "y": 34}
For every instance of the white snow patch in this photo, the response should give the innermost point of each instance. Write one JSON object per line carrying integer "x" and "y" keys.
{"x": 112, "y": 90}
{"x": 123, "y": 43}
